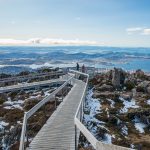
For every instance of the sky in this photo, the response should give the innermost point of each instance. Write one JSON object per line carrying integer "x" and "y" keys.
{"x": 95, "y": 22}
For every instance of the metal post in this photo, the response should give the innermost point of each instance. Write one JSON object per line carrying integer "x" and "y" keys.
{"x": 75, "y": 137}
{"x": 55, "y": 102}
{"x": 62, "y": 94}
{"x": 27, "y": 144}
{"x": 81, "y": 112}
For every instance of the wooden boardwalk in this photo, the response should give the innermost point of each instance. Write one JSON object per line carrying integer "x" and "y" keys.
{"x": 59, "y": 132}
{"x": 30, "y": 85}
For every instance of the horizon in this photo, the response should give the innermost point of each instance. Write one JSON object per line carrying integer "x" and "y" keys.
{"x": 46, "y": 45}
{"x": 113, "y": 23}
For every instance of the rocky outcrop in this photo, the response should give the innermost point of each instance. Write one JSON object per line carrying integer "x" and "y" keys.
{"x": 118, "y": 78}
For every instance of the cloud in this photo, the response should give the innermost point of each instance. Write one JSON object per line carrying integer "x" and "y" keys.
{"x": 46, "y": 41}
{"x": 138, "y": 30}
{"x": 146, "y": 31}
{"x": 134, "y": 30}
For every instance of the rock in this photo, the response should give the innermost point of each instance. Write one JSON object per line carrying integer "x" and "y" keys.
{"x": 148, "y": 89}
{"x": 101, "y": 132}
{"x": 13, "y": 137}
{"x": 109, "y": 95}
{"x": 142, "y": 87}
{"x": 118, "y": 78}
{"x": 3, "y": 98}
{"x": 127, "y": 97}
{"x": 21, "y": 97}
{"x": 113, "y": 120}
{"x": 13, "y": 94}
{"x": 139, "y": 73}
{"x": 142, "y": 113}
{"x": 105, "y": 87}
{"x": 129, "y": 84}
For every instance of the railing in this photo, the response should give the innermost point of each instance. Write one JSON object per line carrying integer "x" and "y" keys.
{"x": 28, "y": 114}
{"x": 79, "y": 127}
{"x": 32, "y": 76}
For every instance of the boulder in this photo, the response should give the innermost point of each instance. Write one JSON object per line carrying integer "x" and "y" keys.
{"x": 105, "y": 87}
{"x": 118, "y": 77}
{"x": 142, "y": 87}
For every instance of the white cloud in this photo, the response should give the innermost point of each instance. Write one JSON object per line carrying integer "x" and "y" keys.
{"x": 134, "y": 30}
{"x": 146, "y": 31}
{"x": 138, "y": 30}
{"x": 46, "y": 41}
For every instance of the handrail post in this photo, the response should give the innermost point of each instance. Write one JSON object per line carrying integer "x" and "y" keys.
{"x": 22, "y": 139}
{"x": 75, "y": 137}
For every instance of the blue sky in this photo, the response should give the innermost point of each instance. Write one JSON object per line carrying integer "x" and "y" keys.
{"x": 105, "y": 22}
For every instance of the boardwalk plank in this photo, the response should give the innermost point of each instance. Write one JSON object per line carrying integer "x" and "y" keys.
{"x": 58, "y": 132}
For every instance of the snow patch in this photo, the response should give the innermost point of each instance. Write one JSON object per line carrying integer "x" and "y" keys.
{"x": 112, "y": 103}
{"x": 127, "y": 105}
{"x": 92, "y": 106}
{"x": 13, "y": 104}
{"x": 148, "y": 101}
{"x": 140, "y": 126}
{"x": 107, "y": 139}
{"x": 125, "y": 130}
{"x": 3, "y": 124}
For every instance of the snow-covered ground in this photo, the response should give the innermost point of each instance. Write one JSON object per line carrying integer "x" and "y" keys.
{"x": 3, "y": 124}
{"x": 139, "y": 125}
{"x": 13, "y": 104}
{"x": 18, "y": 103}
{"x": 148, "y": 101}
{"x": 127, "y": 105}
{"x": 93, "y": 107}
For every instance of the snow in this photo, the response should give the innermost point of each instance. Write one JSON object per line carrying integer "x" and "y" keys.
{"x": 107, "y": 112}
{"x": 107, "y": 139}
{"x": 125, "y": 130}
{"x": 140, "y": 126}
{"x": 132, "y": 146}
{"x": 11, "y": 127}
{"x": 46, "y": 93}
{"x": 112, "y": 103}
{"x": 127, "y": 105}
{"x": 92, "y": 106}
{"x": 148, "y": 101}
{"x": 34, "y": 97}
{"x": 3, "y": 124}
{"x": 13, "y": 104}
